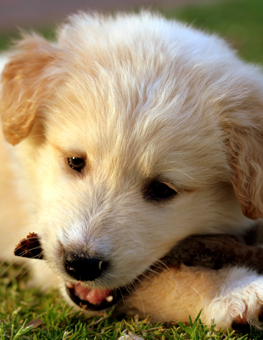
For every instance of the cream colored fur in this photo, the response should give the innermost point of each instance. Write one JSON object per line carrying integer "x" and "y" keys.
{"x": 141, "y": 98}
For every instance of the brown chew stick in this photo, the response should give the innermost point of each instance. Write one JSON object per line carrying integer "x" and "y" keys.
{"x": 29, "y": 247}
{"x": 209, "y": 251}
{"x": 215, "y": 252}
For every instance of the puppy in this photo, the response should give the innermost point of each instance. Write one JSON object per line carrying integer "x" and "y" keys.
{"x": 131, "y": 133}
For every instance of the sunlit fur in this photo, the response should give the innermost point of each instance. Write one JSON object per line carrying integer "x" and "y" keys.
{"x": 140, "y": 98}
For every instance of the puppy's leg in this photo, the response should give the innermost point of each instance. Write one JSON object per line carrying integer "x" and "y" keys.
{"x": 227, "y": 296}
{"x": 239, "y": 301}
{"x": 174, "y": 294}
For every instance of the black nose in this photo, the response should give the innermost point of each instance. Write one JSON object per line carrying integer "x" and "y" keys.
{"x": 82, "y": 267}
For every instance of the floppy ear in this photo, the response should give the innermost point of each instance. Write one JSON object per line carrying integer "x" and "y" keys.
{"x": 28, "y": 81}
{"x": 243, "y": 125}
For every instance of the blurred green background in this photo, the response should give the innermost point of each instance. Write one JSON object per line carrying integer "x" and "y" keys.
{"x": 240, "y": 22}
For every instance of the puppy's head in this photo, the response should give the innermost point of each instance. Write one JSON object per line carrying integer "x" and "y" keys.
{"x": 131, "y": 133}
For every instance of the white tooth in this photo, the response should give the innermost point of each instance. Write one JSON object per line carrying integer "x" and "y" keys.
{"x": 109, "y": 298}
{"x": 70, "y": 285}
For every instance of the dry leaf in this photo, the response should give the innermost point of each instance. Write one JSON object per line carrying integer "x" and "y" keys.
{"x": 34, "y": 323}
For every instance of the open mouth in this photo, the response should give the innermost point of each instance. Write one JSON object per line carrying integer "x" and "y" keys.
{"x": 93, "y": 299}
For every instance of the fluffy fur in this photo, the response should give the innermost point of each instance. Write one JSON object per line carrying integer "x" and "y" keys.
{"x": 140, "y": 98}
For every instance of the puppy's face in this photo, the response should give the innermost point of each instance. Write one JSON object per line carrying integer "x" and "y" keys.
{"x": 121, "y": 188}
{"x": 129, "y": 151}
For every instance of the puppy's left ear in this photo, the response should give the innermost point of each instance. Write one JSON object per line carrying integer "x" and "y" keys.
{"x": 28, "y": 82}
{"x": 243, "y": 126}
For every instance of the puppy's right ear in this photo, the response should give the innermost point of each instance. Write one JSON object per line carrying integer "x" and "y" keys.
{"x": 242, "y": 123}
{"x": 27, "y": 82}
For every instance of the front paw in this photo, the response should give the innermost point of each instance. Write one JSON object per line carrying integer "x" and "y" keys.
{"x": 237, "y": 307}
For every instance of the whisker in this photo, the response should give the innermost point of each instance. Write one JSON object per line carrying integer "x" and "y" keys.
{"x": 26, "y": 251}
{"x": 31, "y": 265}
{"x": 186, "y": 283}
{"x": 15, "y": 260}
{"x": 33, "y": 239}
{"x": 9, "y": 266}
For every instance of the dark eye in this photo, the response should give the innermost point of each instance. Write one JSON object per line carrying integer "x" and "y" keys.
{"x": 76, "y": 163}
{"x": 159, "y": 191}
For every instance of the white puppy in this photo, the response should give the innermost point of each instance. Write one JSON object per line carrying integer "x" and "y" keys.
{"x": 130, "y": 134}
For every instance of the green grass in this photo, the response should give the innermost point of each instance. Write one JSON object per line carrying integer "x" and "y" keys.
{"x": 55, "y": 320}
{"x": 241, "y": 23}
